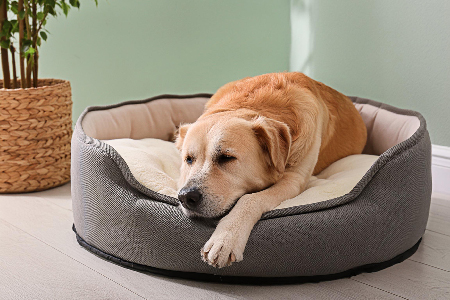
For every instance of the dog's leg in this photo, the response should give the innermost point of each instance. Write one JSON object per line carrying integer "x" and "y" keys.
{"x": 228, "y": 241}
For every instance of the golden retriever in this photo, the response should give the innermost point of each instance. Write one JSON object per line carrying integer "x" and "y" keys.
{"x": 257, "y": 144}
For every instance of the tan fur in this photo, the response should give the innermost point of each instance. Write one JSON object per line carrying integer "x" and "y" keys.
{"x": 294, "y": 98}
{"x": 282, "y": 127}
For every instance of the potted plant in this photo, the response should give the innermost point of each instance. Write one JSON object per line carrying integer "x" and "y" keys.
{"x": 35, "y": 114}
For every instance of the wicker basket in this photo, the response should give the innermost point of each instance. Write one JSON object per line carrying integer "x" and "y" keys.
{"x": 35, "y": 133}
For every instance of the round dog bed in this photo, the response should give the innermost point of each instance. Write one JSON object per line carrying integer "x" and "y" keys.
{"x": 378, "y": 223}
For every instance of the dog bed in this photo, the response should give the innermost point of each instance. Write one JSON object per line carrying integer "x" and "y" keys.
{"x": 374, "y": 224}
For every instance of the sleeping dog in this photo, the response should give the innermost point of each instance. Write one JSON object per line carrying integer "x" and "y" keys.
{"x": 258, "y": 142}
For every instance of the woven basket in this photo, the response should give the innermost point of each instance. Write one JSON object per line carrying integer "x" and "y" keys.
{"x": 35, "y": 133}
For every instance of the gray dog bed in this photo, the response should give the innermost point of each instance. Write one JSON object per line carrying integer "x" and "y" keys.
{"x": 380, "y": 222}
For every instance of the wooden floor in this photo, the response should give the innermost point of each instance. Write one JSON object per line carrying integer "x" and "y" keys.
{"x": 40, "y": 259}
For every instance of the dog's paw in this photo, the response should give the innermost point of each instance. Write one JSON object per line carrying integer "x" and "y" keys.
{"x": 223, "y": 249}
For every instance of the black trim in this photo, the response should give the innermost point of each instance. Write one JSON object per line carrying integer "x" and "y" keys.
{"x": 369, "y": 268}
{"x": 131, "y": 102}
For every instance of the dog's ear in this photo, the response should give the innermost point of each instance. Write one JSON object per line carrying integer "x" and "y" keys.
{"x": 275, "y": 139}
{"x": 180, "y": 134}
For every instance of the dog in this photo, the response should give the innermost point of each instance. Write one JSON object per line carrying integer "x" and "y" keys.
{"x": 258, "y": 142}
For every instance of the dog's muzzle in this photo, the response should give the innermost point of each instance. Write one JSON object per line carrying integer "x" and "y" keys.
{"x": 190, "y": 197}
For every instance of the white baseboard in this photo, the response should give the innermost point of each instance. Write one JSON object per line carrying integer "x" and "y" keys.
{"x": 440, "y": 162}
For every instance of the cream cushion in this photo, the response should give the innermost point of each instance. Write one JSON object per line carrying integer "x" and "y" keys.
{"x": 160, "y": 119}
{"x": 156, "y": 165}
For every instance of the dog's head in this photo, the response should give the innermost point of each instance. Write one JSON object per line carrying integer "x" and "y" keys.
{"x": 225, "y": 157}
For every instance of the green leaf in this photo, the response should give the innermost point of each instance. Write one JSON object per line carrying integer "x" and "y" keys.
{"x": 30, "y": 51}
{"x": 75, "y": 3}
{"x": 50, "y": 3}
{"x": 6, "y": 25}
{"x": 65, "y": 7}
{"x": 15, "y": 26}
{"x": 26, "y": 43}
{"x": 51, "y": 10}
{"x": 22, "y": 15}
{"x": 40, "y": 16}
{"x": 5, "y": 44}
{"x": 43, "y": 35}
{"x": 6, "y": 28}
{"x": 14, "y": 7}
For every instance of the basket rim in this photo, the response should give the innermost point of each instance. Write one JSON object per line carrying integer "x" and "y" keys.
{"x": 59, "y": 82}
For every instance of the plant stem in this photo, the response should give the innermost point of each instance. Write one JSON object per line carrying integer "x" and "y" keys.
{"x": 41, "y": 23}
{"x": 21, "y": 37}
{"x": 30, "y": 58}
{"x": 36, "y": 60}
{"x": 29, "y": 69}
{"x": 36, "y": 54}
{"x": 4, "y": 52}
{"x": 34, "y": 17}
{"x": 13, "y": 55}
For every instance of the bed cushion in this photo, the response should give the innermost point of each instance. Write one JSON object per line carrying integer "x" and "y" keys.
{"x": 156, "y": 165}
{"x": 160, "y": 119}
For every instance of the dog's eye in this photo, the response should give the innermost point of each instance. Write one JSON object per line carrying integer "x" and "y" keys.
{"x": 224, "y": 158}
{"x": 189, "y": 159}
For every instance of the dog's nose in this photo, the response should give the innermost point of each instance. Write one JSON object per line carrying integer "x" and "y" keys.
{"x": 190, "y": 197}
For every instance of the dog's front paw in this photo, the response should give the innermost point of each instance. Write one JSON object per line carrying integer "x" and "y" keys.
{"x": 223, "y": 249}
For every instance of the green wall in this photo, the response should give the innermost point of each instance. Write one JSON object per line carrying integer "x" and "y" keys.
{"x": 396, "y": 52}
{"x": 126, "y": 50}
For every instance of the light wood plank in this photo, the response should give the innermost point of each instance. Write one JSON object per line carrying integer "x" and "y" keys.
{"x": 442, "y": 199}
{"x": 439, "y": 219}
{"x": 431, "y": 252}
{"x": 434, "y": 251}
{"x": 9, "y": 293}
{"x": 410, "y": 280}
{"x": 51, "y": 223}
{"x": 31, "y": 269}
{"x": 59, "y": 196}
{"x": 337, "y": 289}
